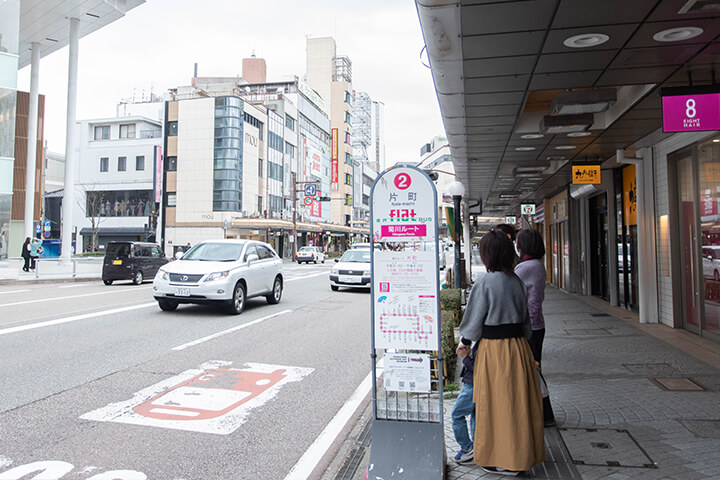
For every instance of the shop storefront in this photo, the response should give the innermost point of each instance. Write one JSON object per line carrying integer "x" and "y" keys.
{"x": 557, "y": 240}
{"x": 627, "y": 237}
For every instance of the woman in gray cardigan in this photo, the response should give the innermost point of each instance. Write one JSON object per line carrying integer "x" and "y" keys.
{"x": 506, "y": 391}
{"x": 531, "y": 271}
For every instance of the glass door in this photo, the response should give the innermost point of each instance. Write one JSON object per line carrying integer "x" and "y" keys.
{"x": 689, "y": 255}
{"x": 708, "y": 156}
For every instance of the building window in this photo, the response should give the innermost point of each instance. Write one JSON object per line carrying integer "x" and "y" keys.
{"x": 140, "y": 162}
{"x": 171, "y": 164}
{"x": 348, "y": 179}
{"x": 290, "y": 149}
{"x": 127, "y": 131}
{"x": 104, "y": 164}
{"x": 348, "y": 159}
{"x": 259, "y": 205}
{"x": 289, "y": 122}
{"x": 260, "y": 167}
{"x": 171, "y": 199}
{"x": 348, "y": 98}
{"x": 348, "y": 199}
{"x": 102, "y": 132}
{"x": 172, "y": 129}
{"x": 122, "y": 164}
{"x": 347, "y": 138}
{"x": 348, "y": 118}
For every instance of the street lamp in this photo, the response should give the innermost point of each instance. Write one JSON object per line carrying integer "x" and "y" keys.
{"x": 456, "y": 190}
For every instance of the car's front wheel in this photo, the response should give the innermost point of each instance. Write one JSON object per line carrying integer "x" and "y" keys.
{"x": 167, "y": 305}
{"x": 237, "y": 304}
{"x": 276, "y": 294}
{"x": 138, "y": 278}
{"x": 107, "y": 282}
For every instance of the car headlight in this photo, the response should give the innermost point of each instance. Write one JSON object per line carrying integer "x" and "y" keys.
{"x": 163, "y": 274}
{"x": 366, "y": 273}
{"x": 334, "y": 271}
{"x": 217, "y": 276}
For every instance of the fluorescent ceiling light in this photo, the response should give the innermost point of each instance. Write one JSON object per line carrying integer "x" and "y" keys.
{"x": 579, "y": 134}
{"x": 524, "y": 149}
{"x": 565, "y": 147}
{"x": 530, "y": 136}
{"x": 586, "y": 40}
{"x": 531, "y": 169}
{"x": 583, "y": 101}
{"x": 677, "y": 34}
{"x": 509, "y": 194}
{"x": 553, "y": 124}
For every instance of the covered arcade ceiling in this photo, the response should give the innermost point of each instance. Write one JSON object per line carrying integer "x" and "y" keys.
{"x": 527, "y": 86}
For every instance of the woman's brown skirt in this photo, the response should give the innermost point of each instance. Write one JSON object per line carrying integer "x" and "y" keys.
{"x": 509, "y": 431}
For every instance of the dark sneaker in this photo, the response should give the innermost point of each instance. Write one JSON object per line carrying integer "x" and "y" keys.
{"x": 464, "y": 456}
{"x": 501, "y": 471}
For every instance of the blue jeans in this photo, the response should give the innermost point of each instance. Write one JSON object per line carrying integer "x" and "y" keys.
{"x": 464, "y": 406}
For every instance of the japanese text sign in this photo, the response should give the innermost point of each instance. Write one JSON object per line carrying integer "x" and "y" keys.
{"x": 585, "y": 174}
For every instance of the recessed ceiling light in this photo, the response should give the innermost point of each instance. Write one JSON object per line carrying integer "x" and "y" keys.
{"x": 524, "y": 149}
{"x": 677, "y": 34}
{"x": 586, "y": 40}
{"x": 565, "y": 147}
{"x": 716, "y": 140}
{"x": 529, "y": 136}
{"x": 579, "y": 134}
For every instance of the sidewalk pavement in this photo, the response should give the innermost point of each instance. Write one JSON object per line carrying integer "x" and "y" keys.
{"x": 631, "y": 401}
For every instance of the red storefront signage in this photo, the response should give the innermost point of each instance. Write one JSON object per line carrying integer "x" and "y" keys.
{"x": 334, "y": 164}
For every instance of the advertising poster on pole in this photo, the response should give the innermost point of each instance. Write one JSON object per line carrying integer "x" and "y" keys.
{"x": 405, "y": 272}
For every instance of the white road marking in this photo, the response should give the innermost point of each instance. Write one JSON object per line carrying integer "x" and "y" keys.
{"x": 312, "y": 456}
{"x": 230, "y": 330}
{"x": 75, "y": 318}
{"x": 74, "y": 286}
{"x": 15, "y": 291}
{"x": 199, "y": 400}
{"x": 64, "y": 298}
{"x": 306, "y": 276}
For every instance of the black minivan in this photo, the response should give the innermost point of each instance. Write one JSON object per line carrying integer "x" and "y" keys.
{"x": 132, "y": 261}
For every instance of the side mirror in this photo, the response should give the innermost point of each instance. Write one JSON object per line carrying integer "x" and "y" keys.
{"x": 178, "y": 255}
{"x": 252, "y": 258}
{"x": 337, "y": 260}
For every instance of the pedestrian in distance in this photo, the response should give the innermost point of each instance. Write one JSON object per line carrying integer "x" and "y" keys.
{"x": 531, "y": 271}
{"x": 507, "y": 229}
{"x": 26, "y": 255}
{"x": 36, "y": 250}
{"x": 464, "y": 406}
{"x": 509, "y": 432}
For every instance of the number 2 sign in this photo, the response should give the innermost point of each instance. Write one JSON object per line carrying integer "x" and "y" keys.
{"x": 402, "y": 181}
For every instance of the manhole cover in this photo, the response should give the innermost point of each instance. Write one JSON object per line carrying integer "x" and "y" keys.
{"x": 664, "y": 369}
{"x": 588, "y": 331}
{"x": 614, "y": 448}
{"x": 678, "y": 384}
{"x": 703, "y": 428}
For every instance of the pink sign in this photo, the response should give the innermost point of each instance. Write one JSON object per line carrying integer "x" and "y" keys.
{"x": 403, "y": 230}
{"x": 691, "y": 113}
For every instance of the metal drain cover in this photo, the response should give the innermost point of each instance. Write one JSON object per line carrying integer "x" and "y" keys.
{"x": 679, "y": 384}
{"x": 607, "y": 448}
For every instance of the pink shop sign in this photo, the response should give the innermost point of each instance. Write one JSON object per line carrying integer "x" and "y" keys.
{"x": 691, "y": 113}
{"x": 403, "y": 230}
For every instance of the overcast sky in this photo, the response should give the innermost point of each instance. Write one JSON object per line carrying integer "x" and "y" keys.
{"x": 156, "y": 44}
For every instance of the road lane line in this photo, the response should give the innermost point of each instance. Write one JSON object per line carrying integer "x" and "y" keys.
{"x": 75, "y": 318}
{"x": 64, "y": 298}
{"x": 15, "y": 291}
{"x": 306, "y": 276}
{"x": 312, "y": 456}
{"x": 229, "y": 330}
{"x": 75, "y": 286}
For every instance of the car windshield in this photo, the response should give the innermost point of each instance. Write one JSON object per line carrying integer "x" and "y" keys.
{"x": 356, "y": 256}
{"x": 214, "y": 252}
{"x": 307, "y": 249}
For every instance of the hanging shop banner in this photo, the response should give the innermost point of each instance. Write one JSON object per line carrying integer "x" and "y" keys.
{"x": 690, "y": 109}
{"x": 313, "y": 157}
{"x": 629, "y": 195}
{"x": 158, "y": 174}
{"x": 405, "y": 284}
{"x": 586, "y": 175}
{"x": 334, "y": 158}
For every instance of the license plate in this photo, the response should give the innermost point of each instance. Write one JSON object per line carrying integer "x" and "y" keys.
{"x": 349, "y": 279}
{"x": 182, "y": 292}
{"x": 117, "y": 262}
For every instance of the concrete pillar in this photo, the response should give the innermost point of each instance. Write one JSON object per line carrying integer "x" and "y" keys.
{"x": 32, "y": 140}
{"x": 467, "y": 240}
{"x": 69, "y": 193}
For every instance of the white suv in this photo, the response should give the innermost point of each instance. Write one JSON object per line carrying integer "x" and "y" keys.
{"x": 223, "y": 272}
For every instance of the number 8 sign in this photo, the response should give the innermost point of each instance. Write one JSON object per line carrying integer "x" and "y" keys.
{"x": 402, "y": 181}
